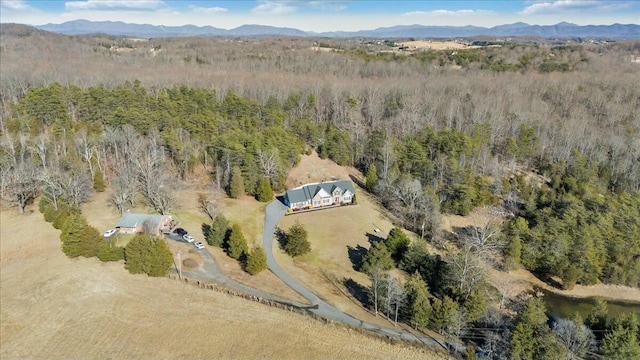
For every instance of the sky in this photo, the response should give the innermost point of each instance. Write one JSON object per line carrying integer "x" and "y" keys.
{"x": 319, "y": 16}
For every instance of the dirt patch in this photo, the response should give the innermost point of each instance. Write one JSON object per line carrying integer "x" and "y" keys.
{"x": 55, "y": 307}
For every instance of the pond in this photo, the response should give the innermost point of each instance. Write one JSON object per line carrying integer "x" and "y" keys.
{"x": 560, "y": 306}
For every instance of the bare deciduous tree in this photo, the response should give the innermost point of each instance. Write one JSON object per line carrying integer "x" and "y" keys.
{"x": 209, "y": 203}
{"x": 22, "y": 186}
{"x": 269, "y": 163}
{"x": 77, "y": 187}
{"x": 577, "y": 339}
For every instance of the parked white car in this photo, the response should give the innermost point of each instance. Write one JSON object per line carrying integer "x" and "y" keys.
{"x": 199, "y": 245}
{"x": 109, "y": 232}
{"x": 188, "y": 238}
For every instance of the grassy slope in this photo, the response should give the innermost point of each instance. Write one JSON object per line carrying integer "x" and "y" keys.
{"x": 54, "y": 307}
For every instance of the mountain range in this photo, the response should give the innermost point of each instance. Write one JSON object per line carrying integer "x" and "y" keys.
{"x": 560, "y": 30}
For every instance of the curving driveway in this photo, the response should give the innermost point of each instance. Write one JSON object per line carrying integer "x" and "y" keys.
{"x": 274, "y": 212}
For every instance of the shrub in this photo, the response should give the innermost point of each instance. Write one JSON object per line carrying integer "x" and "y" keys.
{"x": 296, "y": 243}
{"x": 219, "y": 232}
{"x": 78, "y": 238}
{"x": 264, "y": 193}
{"x": 148, "y": 255}
{"x": 109, "y": 251}
{"x": 256, "y": 261}
{"x": 236, "y": 246}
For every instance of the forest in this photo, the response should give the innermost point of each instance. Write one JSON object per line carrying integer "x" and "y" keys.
{"x": 548, "y": 136}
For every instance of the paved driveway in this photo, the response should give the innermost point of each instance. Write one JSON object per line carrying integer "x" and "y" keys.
{"x": 274, "y": 212}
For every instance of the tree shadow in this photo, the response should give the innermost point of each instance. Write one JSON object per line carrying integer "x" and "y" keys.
{"x": 358, "y": 291}
{"x": 374, "y": 239}
{"x": 206, "y": 230}
{"x": 358, "y": 181}
{"x": 547, "y": 279}
{"x": 356, "y": 255}
{"x": 281, "y": 237}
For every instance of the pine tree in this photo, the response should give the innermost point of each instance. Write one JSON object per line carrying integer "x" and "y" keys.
{"x": 98, "y": 181}
{"x": 148, "y": 255}
{"x": 72, "y": 235}
{"x": 109, "y": 251}
{"x": 236, "y": 188}
{"x": 219, "y": 231}
{"x": 398, "y": 243}
{"x": 418, "y": 305}
{"x": 264, "y": 193}
{"x": 78, "y": 238}
{"x": 371, "y": 178}
{"x": 256, "y": 261}
{"x": 296, "y": 241}
{"x": 236, "y": 244}
{"x": 378, "y": 257}
{"x": 622, "y": 342}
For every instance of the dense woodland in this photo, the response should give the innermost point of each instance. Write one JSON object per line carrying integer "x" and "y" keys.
{"x": 548, "y": 137}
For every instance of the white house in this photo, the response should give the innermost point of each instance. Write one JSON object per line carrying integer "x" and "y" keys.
{"x": 320, "y": 194}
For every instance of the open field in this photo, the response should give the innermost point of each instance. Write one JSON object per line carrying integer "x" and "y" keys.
{"x": 333, "y": 234}
{"x": 55, "y": 307}
{"x": 246, "y": 212}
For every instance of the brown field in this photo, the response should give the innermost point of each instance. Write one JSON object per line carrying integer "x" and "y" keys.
{"x": 331, "y": 233}
{"x": 58, "y": 308}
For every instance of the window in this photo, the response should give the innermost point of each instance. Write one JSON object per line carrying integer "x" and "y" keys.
{"x": 326, "y": 201}
{"x": 347, "y": 198}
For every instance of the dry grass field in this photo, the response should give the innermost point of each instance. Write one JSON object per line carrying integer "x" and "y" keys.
{"x": 332, "y": 233}
{"x": 58, "y": 308}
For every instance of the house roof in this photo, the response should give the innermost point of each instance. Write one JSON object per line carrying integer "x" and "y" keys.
{"x": 308, "y": 191}
{"x": 134, "y": 220}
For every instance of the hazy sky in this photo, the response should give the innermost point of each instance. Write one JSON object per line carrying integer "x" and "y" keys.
{"x": 323, "y": 15}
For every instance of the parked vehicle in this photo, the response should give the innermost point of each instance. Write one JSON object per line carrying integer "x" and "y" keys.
{"x": 188, "y": 238}
{"x": 109, "y": 232}
{"x": 199, "y": 245}
{"x": 180, "y": 231}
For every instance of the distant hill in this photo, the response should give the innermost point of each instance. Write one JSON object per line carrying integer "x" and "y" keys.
{"x": 83, "y": 27}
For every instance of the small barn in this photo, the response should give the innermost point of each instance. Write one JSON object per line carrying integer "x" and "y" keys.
{"x": 144, "y": 223}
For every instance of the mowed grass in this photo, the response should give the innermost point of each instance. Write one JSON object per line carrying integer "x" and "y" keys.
{"x": 53, "y": 307}
{"x": 332, "y": 232}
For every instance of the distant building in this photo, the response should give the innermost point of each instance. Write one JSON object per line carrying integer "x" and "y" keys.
{"x": 320, "y": 194}
{"x": 140, "y": 223}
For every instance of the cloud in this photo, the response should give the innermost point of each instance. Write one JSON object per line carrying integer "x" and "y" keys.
{"x": 448, "y": 13}
{"x": 328, "y": 5}
{"x": 207, "y": 10}
{"x": 15, "y": 5}
{"x": 562, "y": 6}
{"x": 275, "y": 8}
{"x": 114, "y": 4}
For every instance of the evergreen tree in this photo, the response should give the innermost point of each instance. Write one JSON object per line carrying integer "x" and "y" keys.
{"x": 149, "y": 255}
{"x": 418, "y": 305}
{"x": 513, "y": 253}
{"x": 371, "y": 178}
{"x": 219, "y": 232}
{"x": 256, "y": 261}
{"x": 98, "y": 181}
{"x": 109, "y": 251}
{"x": 296, "y": 241}
{"x": 236, "y": 187}
{"x": 622, "y": 342}
{"x": 597, "y": 318}
{"x": 377, "y": 257}
{"x": 532, "y": 338}
{"x": 264, "y": 193}
{"x": 236, "y": 245}
{"x": 444, "y": 313}
{"x": 78, "y": 238}
{"x": 398, "y": 243}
